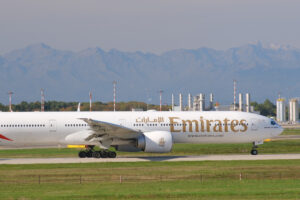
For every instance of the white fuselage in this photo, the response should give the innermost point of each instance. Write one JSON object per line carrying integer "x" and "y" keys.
{"x": 51, "y": 128}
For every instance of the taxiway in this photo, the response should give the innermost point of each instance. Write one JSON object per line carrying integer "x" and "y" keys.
{"x": 148, "y": 159}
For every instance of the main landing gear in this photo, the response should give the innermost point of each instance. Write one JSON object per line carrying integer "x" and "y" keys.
{"x": 91, "y": 153}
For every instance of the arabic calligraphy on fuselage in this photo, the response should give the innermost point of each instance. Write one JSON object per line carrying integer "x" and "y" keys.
{"x": 148, "y": 120}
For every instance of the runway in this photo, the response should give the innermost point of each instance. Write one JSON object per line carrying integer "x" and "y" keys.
{"x": 149, "y": 159}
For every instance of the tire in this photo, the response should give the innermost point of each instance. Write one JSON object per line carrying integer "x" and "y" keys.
{"x": 254, "y": 152}
{"x": 112, "y": 154}
{"x": 103, "y": 154}
{"x": 96, "y": 154}
{"x": 82, "y": 154}
{"x": 89, "y": 154}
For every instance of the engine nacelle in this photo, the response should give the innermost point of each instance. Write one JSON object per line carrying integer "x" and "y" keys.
{"x": 155, "y": 142}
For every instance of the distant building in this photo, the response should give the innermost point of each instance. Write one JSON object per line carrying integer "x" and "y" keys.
{"x": 199, "y": 102}
{"x": 280, "y": 110}
{"x": 294, "y": 111}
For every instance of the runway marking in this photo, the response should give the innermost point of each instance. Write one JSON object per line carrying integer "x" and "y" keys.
{"x": 148, "y": 159}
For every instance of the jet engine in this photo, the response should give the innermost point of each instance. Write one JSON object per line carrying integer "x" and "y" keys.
{"x": 155, "y": 142}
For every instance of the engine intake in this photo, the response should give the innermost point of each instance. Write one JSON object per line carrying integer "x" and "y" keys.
{"x": 155, "y": 142}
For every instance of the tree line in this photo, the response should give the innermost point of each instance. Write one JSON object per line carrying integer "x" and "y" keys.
{"x": 85, "y": 106}
{"x": 267, "y": 108}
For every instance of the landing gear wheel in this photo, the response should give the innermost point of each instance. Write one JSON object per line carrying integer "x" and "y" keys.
{"x": 89, "y": 154}
{"x": 96, "y": 154}
{"x": 82, "y": 154}
{"x": 254, "y": 152}
{"x": 104, "y": 154}
{"x": 112, "y": 154}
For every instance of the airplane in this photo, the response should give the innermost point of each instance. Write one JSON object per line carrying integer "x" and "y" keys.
{"x": 148, "y": 131}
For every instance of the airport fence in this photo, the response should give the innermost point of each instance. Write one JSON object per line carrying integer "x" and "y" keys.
{"x": 99, "y": 178}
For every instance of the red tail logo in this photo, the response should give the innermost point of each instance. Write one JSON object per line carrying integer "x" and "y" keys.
{"x": 5, "y": 138}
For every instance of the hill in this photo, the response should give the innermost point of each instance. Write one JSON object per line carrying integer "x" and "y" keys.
{"x": 69, "y": 76}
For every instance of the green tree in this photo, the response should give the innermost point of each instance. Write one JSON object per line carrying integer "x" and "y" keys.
{"x": 267, "y": 108}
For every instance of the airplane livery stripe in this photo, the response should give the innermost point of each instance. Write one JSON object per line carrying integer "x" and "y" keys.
{"x": 5, "y": 138}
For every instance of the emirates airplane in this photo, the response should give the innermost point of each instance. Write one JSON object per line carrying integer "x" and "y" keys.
{"x": 149, "y": 131}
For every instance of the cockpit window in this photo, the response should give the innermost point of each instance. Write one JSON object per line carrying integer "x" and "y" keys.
{"x": 273, "y": 122}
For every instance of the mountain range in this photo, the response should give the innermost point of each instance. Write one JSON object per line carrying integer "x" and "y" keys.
{"x": 262, "y": 70}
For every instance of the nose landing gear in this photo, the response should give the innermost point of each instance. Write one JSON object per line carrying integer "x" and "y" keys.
{"x": 254, "y": 150}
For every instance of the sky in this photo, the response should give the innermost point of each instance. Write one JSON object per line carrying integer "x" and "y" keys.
{"x": 149, "y": 26}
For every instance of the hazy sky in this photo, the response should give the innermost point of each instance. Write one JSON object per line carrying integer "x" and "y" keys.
{"x": 149, "y": 26}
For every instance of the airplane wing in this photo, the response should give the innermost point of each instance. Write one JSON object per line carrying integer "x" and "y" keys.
{"x": 109, "y": 130}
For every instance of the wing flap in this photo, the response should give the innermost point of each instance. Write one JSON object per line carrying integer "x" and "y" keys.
{"x": 79, "y": 137}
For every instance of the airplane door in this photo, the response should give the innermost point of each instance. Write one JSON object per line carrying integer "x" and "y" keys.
{"x": 52, "y": 125}
{"x": 254, "y": 124}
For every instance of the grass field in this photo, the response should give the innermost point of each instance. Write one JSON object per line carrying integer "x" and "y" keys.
{"x": 153, "y": 180}
{"x": 273, "y": 179}
{"x": 291, "y": 132}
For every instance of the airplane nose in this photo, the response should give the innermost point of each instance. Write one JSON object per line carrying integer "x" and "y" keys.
{"x": 279, "y": 130}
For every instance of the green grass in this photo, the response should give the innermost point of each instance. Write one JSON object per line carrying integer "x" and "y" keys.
{"x": 226, "y": 189}
{"x": 39, "y": 153}
{"x": 270, "y": 179}
{"x": 291, "y": 132}
{"x": 284, "y": 146}
{"x": 275, "y": 179}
